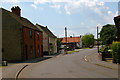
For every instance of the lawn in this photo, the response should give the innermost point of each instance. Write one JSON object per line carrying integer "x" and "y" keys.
{"x": 71, "y": 51}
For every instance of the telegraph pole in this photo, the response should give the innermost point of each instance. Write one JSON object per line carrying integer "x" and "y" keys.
{"x": 66, "y": 39}
{"x": 66, "y": 35}
{"x": 97, "y": 40}
{"x": 74, "y": 40}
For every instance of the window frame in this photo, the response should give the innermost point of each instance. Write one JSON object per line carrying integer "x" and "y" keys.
{"x": 38, "y": 35}
{"x": 30, "y": 33}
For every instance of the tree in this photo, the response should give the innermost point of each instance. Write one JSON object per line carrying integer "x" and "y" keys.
{"x": 108, "y": 34}
{"x": 59, "y": 43}
{"x": 87, "y": 40}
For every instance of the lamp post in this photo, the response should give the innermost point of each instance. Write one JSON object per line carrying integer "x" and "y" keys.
{"x": 97, "y": 40}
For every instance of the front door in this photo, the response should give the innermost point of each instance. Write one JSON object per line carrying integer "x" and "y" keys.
{"x": 42, "y": 50}
{"x": 26, "y": 52}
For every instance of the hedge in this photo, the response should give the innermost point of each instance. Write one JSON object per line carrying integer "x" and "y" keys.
{"x": 116, "y": 51}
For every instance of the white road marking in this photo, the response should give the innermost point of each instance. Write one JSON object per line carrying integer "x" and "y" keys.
{"x": 85, "y": 58}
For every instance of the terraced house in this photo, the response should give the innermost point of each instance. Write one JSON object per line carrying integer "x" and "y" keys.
{"x": 21, "y": 39}
{"x": 49, "y": 40}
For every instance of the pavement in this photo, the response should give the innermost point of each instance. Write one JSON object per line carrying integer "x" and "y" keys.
{"x": 13, "y": 69}
{"x": 94, "y": 58}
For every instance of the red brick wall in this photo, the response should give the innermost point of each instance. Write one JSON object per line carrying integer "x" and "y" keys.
{"x": 32, "y": 41}
{"x": 40, "y": 43}
{"x": 28, "y": 41}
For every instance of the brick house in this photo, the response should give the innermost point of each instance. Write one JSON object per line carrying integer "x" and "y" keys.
{"x": 49, "y": 40}
{"x": 21, "y": 40}
{"x": 72, "y": 42}
{"x": 117, "y": 24}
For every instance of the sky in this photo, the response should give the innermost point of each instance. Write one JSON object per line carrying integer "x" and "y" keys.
{"x": 79, "y": 16}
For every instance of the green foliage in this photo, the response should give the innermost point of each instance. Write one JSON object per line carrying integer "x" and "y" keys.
{"x": 105, "y": 49}
{"x": 116, "y": 51}
{"x": 65, "y": 47}
{"x": 88, "y": 40}
{"x": 59, "y": 43}
{"x": 108, "y": 34}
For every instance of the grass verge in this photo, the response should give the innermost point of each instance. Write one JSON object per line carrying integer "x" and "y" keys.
{"x": 71, "y": 51}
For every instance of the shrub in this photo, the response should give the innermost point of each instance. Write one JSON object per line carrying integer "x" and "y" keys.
{"x": 105, "y": 49}
{"x": 116, "y": 51}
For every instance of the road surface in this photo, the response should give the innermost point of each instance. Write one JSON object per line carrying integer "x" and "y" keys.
{"x": 68, "y": 66}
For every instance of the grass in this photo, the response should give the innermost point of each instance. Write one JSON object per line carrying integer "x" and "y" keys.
{"x": 71, "y": 51}
{"x": 2, "y": 66}
{"x": 85, "y": 48}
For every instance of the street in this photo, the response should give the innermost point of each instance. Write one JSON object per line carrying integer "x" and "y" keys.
{"x": 73, "y": 65}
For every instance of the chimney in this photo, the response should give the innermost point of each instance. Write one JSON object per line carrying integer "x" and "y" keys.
{"x": 80, "y": 36}
{"x": 16, "y": 10}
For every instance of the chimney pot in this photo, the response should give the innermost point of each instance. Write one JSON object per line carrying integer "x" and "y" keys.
{"x": 16, "y": 10}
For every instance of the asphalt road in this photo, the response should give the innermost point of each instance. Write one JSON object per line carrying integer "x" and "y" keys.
{"x": 68, "y": 66}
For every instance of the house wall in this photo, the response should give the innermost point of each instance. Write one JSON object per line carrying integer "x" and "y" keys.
{"x": 27, "y": 43}
{"x": 11, "y": 38}
{"x": 53, "y": 48}
{"x": 39, "y": 52}
{"x": 45, "y": 40}
{"x": 117, "y": 24}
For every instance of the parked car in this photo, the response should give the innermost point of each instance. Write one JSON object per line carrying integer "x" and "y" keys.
{"x": 91, "y": 46}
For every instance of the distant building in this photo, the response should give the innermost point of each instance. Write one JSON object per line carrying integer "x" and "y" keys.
{"x": 117, "y": 24}
{"x": 72, "y": 42}
{"x": 49, "y": 40}
{"x": 21, "y": 40}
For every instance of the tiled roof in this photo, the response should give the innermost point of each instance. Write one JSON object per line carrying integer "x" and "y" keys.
{"x": 71, "y": 39}
{"x": 45, "y": 29}
{"x": 25, "y": 22}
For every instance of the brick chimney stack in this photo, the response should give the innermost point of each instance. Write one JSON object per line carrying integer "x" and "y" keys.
{"x": 80, "y": 36}
{"x": 16, "y": 10}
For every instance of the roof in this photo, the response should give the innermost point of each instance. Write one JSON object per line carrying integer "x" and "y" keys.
{"x": 45, "y": 29}
{"x": 23, "y": 21}
{"x": 71, "y": 39}
{"x": 117, "y": 17}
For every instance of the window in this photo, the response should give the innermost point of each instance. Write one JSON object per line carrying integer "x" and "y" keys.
{"x": 31, "y": 49}
{"x": 38, "y": 49}
{"x": 30, "y": 33}
{"x": 38, "y": 35}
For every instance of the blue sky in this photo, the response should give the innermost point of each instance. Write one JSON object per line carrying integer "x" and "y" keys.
{"x": 79, "y": 16}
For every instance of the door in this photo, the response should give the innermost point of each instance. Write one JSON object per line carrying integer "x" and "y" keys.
{"x": 26, "y": 52}
{"x": 42, "y": 50}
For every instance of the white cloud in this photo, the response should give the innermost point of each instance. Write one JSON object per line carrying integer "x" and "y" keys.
{"x": 10, "y": 1}
{"x": 82, "y": 23}
{"x": 59, "y": 12}
{"x": 41, "y": 1}
{"x": 66, "y": 9}
{"x": 117, "y": 13}
{"x": 33, "y": 5}
{"x": 109, "y": 12}
{"x": 55, "y": 6}
{"x": 101, "y": 3}
{"x": 55, "y": 1}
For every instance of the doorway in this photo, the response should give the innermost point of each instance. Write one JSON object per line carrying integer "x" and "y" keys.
{"x": 26, "y": 52}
